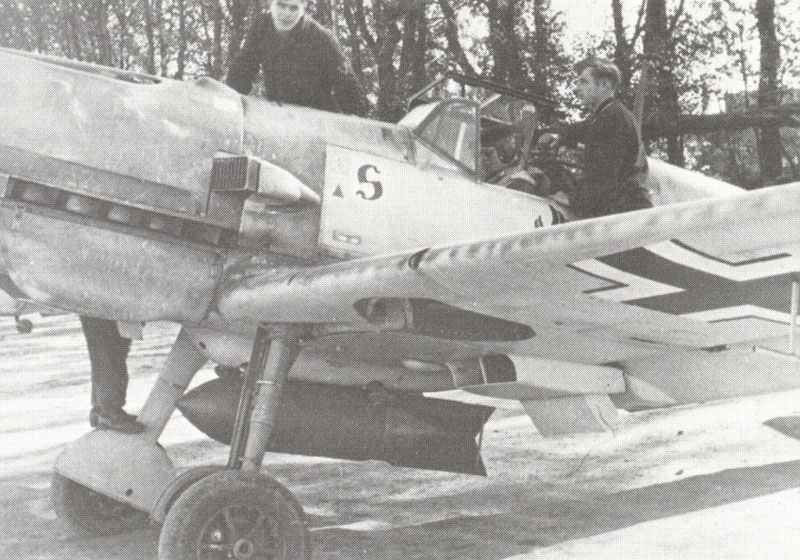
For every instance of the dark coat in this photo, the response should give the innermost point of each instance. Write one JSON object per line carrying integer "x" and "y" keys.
{"x": 303, "y": 67}
{"x": 614, "y": 168}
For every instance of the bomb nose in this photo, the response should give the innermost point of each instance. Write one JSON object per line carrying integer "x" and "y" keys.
{"x": 211, "y": 408}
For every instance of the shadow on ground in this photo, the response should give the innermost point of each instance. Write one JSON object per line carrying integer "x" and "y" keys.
{"x": 529, "y": 517}
{"x": 544, "y": 520}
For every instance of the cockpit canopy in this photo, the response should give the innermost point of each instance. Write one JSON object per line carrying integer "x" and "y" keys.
{"x": 456, "y": 116}
{"x": 451, "y": 128}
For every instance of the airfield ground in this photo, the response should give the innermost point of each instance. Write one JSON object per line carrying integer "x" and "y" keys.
{"x": 697, "y": 482}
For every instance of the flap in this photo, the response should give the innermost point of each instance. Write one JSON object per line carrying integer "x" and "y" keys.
{"x": 570, "y": 415}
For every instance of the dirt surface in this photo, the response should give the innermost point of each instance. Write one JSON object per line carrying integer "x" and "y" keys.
{"x": 696, "y": 482}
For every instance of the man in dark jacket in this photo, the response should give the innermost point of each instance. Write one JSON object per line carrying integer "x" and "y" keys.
{"x": 614, "y": 162}
{"x": 108, "y": 352}
{"x": 301, "y": 62}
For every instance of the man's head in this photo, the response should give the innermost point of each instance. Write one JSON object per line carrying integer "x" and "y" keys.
{"x": 286, "y": 13}
{"x": 598, "y": 80}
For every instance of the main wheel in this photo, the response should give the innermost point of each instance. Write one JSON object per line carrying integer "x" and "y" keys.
{"x": 89, "y": 512}
{"x": 235, "y": 515}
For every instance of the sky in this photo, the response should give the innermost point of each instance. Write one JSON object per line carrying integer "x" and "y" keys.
{"x": 589, "y": 19}
{"x": 586, "y": 17}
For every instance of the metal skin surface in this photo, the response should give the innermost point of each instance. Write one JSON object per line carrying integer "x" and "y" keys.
{"x": 101, "y": 135}
{"x": 99, "y": 271}
{"x": 122, "y": 196}
{"x": 88, "y": 462}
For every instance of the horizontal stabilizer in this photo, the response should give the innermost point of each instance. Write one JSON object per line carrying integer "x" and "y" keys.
{"x": 570, "y": 415}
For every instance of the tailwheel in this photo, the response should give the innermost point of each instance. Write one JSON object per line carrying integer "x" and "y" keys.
{"x": 89, "y": 512}
{"x": 235, "y": 515}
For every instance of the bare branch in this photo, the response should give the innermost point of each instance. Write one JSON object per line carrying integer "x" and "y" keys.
{"x": 453, "y": 43}
{"x": 675, "y": 17}
{"x": 371, "y": 41}
{"x": 637, "y": 30}
{"x": 661, "y": 124}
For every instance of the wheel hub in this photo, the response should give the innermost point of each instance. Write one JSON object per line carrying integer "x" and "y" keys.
{"x": 243, "y": 549}
{"x": 239, "y": 533}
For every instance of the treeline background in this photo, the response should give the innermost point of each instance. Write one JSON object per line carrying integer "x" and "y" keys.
{"x": 690, "y": 53}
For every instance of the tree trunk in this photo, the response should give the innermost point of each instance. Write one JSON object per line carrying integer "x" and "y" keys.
{"x": 409, "y": 43}
{"x": 239, "y": 10}
{"x": 658, "y": 52}
{"x": 418, "y": 76}
{"x": 75, "y": 38}
{"x": 181, "y": 56}
{"x": 216, "y": 66}
{"x": 504, "y": 42}
{"x": 149, "y": 33}
{"x": 69, "y": 38}
{"x": 453, "y": 42}
{"x": 383, "y": 46}
{"x": 123, "y": 17}
{"x": 104, "y": 53}
{"x": 390, "y": 35}
{"x": 540, "y": 48}
{"x": 354, "y": 40}
{"x": 769, "y": 145}
{"x": 622, "y": 49}
{"x": 412, "y": 53}
{"x": 511, "y": 15}
{"x": 163, "y": 54}
{"x": 40, "y": 12}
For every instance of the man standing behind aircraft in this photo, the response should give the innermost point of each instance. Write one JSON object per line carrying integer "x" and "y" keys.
{"x": 108, "y": 353}
{"x": 614, "y": 162}
{"x": 300, "y": 60}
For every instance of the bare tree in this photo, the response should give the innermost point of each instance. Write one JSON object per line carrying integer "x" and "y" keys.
{"x": 659, "y": 56}
{"x": 355, "y": 40}
{"x": 149, "y": 31}
{"x": 453, "y": 42}
{"x": 769, "y": 141}
{"x": 624, "y": 46}
{"x": 415, "y": 43}
{"x": 504, "y": 16}
{"x": 124, "y": 14}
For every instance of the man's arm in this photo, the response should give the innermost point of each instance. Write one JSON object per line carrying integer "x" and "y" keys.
{"x": 569, "y": 135}
{"x": 346, "y": 88}
{"x": 244, "y": 68}
{"x": 574, "y": 133}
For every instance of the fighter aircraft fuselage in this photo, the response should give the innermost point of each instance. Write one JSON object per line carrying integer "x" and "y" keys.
{"x": 129, "y": 197}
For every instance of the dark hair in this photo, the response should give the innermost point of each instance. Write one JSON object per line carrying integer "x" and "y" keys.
{"x": 601, "y": 70}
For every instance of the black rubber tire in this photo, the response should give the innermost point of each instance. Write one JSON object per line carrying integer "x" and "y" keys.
{"x": 196, "y": 527}
{"x": 90, "y": 513}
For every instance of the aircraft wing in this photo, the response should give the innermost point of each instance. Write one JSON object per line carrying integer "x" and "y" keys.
{"x": 655, "y": 273}
{"x": 695, "y": 276}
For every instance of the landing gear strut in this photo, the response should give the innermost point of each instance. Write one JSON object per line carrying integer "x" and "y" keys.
{"x": 240, "y": 513}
